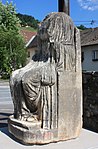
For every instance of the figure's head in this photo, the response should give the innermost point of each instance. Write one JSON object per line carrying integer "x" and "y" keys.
{"x": 57, "y": 27}
{"x": 55, "y": 34}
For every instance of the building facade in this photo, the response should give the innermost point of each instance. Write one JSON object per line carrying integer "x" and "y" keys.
{"x": 89, "y": 47}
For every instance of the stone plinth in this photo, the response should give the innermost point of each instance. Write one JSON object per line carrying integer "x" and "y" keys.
{"x": 31, "y": 133}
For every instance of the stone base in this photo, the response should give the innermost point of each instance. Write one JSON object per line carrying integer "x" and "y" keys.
{"x": 31, "y": 133}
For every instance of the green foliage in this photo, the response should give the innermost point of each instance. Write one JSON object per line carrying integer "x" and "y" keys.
{"x": 8, "y": 18}
{"x": 27, "y": 20}
{"x": 81, "y": 27}
{"x": 12, "y": 51}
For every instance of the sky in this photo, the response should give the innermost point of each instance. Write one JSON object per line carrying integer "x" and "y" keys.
{"x": 81, "y": 11}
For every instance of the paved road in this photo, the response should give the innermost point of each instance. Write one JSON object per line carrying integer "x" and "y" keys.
{"x": 6, "y": 105}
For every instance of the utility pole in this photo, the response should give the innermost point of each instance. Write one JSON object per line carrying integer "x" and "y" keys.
{"x": 64, "y": 6}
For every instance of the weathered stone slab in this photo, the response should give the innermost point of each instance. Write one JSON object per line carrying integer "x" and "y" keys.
{"x": 47, "y": 93}
{"x": 31, "y": 133}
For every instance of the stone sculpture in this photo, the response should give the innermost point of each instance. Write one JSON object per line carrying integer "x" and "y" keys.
{"x": 47, "y": 93}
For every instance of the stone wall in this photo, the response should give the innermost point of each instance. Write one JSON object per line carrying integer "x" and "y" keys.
{"x": 90, "y": 100}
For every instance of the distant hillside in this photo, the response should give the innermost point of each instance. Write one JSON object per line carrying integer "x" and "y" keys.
{"x": 82, "y": 27}
{"x": 27, "y": 20}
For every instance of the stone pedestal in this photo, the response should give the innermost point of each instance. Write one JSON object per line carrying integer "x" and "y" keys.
{"x": 31, "y": 133}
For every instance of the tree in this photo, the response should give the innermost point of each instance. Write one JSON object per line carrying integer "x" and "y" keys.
{"x": 81, "y": 27}
{"x": 12, "y": 46}
{"x": 28, "y": 20}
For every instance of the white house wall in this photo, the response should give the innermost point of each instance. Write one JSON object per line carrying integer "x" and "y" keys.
{"x": 32, "y": 52}
{"x": 88, "y": 64}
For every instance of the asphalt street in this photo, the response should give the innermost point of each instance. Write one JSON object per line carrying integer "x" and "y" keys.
{"x": 6, "y": 105}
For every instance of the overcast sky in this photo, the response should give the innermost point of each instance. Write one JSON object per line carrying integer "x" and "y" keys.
{"x": 81, "y": 10}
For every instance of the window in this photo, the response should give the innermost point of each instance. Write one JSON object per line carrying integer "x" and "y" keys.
{"x": 95, "y": 55}
{"x": 82, "y": 56}
{"x": 28, "y": 54}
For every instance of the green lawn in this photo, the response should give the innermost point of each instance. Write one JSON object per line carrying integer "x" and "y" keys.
{"x": 28, "y": 28}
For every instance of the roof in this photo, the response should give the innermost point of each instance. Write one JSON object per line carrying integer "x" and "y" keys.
{"x": 27, "y": 35}
{"x": 89, "y": 37}
{"x": 32, "y": 42}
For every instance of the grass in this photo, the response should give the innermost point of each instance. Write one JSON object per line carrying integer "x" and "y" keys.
{"x": 28, "y": 28}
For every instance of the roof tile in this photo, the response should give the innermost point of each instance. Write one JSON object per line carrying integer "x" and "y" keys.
{"x": 89, "y": 36}
{"x": 27, "y": 35}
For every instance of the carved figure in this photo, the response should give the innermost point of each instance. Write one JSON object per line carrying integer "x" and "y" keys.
{"x": 43, "y": 90}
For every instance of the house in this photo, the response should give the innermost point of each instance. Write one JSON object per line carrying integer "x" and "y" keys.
{"x": 89, "y": 46}
{"x": 31, "y": 43}
{"x": 31, "y": 47}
